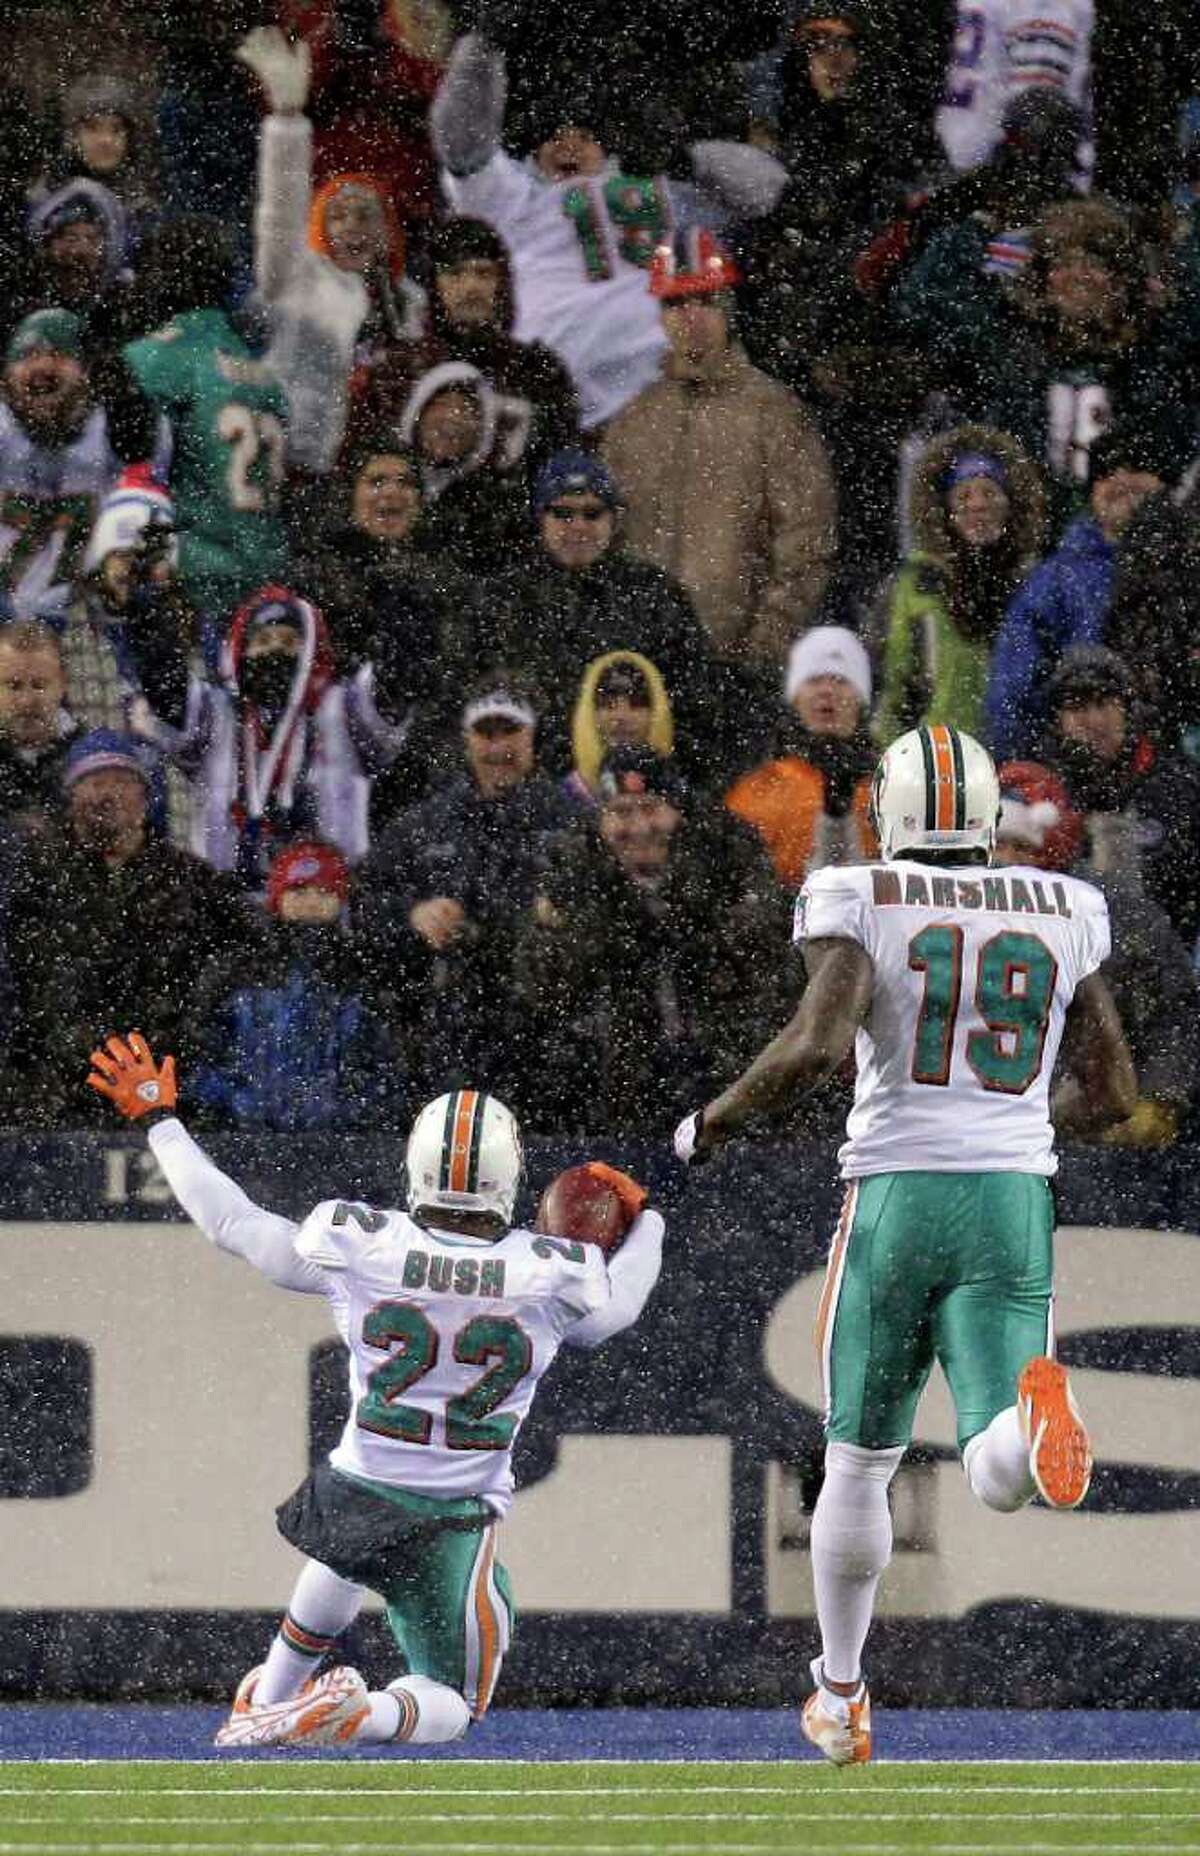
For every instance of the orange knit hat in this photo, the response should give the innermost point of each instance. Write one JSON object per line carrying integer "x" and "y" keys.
{"x": 318, "y": 238}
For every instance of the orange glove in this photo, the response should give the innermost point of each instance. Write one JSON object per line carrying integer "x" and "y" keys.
{"x": 127, "y": 1074}
{"x": 631, "y": 1195}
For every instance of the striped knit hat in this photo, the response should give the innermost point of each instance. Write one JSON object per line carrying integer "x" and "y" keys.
{"x": 135, "y": 505}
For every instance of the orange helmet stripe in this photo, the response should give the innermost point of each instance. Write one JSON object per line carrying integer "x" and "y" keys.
{"x": 943, "y": 775}
{"x": 460, "y": 1141}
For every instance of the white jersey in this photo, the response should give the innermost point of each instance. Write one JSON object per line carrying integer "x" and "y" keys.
{"x": 49, "y": 495}
{"x": 974, "y": 971}
{"x": 581, "y": 251}
{"x": 448, "y": 1338}
{"x": 1002, "y": 47}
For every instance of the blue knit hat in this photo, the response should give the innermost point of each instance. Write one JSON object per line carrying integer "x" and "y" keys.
{"x": 100, "y": 750}
{"x": 575, "y": 473}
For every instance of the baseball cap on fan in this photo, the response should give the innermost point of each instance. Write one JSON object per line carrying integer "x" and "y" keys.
{"x": 500, "y": 704}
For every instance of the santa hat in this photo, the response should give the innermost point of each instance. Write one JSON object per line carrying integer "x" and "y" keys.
{"x": 136, "y": 504}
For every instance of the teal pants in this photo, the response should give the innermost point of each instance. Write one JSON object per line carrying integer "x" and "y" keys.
{"x": 450, "y": 1606}
{"x": 953, "y": 1267}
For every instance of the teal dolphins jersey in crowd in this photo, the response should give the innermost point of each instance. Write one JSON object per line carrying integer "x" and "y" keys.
{"x": 228, "y": 420}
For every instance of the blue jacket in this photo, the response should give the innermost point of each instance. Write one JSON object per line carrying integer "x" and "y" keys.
{"x": 1064, "y": 602}
{"x": 295, "y": 1053}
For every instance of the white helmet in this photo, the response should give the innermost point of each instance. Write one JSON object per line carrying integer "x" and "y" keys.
{"x": 935, "y": 790}
{"x": 464, "y": 1155}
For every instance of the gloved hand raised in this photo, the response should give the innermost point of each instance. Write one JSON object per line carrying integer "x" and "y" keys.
{"x": 125, "y": 1072}
{"x": 282, "y": 66}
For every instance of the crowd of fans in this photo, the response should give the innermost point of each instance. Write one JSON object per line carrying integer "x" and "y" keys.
{"x": 470, "y": 521}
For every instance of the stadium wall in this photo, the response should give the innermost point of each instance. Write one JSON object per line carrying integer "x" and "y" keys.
{"x": 157, "y": 1399}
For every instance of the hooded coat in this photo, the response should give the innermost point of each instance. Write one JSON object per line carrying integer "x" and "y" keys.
{"x": 101, "y": 205}
{"x": 476, "y": 512}
{"x": 586, "y": 742}
{"x": 537, "y": 411}
{"x": 938, "y": 618}
{"x": 262, "y": 779}
{"x": 105, "y": 302}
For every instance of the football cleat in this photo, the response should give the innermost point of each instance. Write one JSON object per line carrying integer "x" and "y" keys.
{"x": 243, "y": 1701}
{"x": 329, "y": 1711}
{"x": 243, "y": 1705}
{"x": 326, "y": 1712}
{"x": 1060, "y": 1456}
{"x": 845, "y": 1743}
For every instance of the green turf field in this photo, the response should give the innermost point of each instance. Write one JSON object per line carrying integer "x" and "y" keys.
{"x": 509, "y": 1809}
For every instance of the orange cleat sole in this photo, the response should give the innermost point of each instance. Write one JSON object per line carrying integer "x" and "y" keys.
{"x": 1060, "y": 1455}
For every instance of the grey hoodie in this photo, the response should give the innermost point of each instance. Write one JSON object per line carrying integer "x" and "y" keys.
{"x": 103, "y": 206}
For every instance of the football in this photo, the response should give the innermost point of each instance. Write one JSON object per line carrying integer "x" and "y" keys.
{"x": 577, "y": 1204}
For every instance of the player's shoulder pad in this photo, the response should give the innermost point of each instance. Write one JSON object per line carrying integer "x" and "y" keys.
{"x": 562, "y": 1254}
{"x": 545, "y": 1248}
{"x": 1088, "y": 907}
{"x": 831, "y": 901}
{"x": 337, "y": 1231}
{"x": 1084, "y": 898}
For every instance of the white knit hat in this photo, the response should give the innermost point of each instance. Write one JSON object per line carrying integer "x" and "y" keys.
{"x": 124, "y": 516}
{"x": 828, "y": 651}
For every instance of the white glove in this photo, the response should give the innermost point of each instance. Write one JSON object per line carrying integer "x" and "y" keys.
{"x": 283, "y": 67}
{"x": 686, "y": 1136}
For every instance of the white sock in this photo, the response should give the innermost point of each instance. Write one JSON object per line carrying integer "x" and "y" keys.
{"x": 831, "y": 1701}
{"x": 322, "y": 1606}
{"x": 996, "y": 1463}
{"x": 418, "y": 1710}
{"x": 851, "y": 1545}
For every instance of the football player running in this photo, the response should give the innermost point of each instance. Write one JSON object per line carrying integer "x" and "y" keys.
{"x": 957, "y": 986}
{"x": 451, "y": 1316}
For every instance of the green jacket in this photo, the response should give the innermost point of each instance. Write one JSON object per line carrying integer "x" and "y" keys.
{"x": 934, "y": 669}
{"x": 931, "y": 672}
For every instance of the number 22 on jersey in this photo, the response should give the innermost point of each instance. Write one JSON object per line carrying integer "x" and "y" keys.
{"x": 495, "y": 1342}
{"x": 1013, "y": 989}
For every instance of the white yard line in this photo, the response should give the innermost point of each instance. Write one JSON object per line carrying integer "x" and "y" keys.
{"x": 608, "y": 1759}
{"x": 657, "y": 1848}
{"x": 415, "y": 1791}
{"x": 788, "y": 1816}
{"x": 264, "y": 1788}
